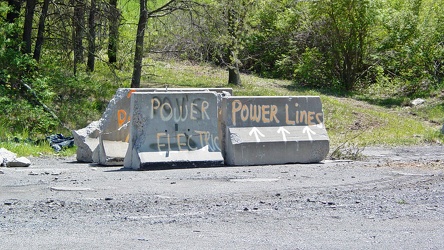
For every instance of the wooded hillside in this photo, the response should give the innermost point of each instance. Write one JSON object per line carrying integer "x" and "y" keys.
{"x": 52, "y": 51}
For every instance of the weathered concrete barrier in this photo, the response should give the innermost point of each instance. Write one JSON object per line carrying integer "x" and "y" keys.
{"x": 178, "y": 129}
{"x": 273, "y": 130}
{"x": 87, "y": 140}
{"x": 108, "y": 145}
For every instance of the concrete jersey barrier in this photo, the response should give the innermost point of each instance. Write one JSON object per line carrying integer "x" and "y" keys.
{"x": 112, "y": 142}
{"x": 273, "y": 130}
{"x": 173, "y": 130}
{"x": 164, "y": 128}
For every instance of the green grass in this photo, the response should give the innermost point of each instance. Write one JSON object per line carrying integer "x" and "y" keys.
{"x": 28, "y": 149}
{"x": 354, "y": 121}
{"x": 364, "y": 123}
{"x": 23, "y": 145}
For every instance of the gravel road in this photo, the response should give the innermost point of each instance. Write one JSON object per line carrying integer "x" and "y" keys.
{"x": 392, "y": 200}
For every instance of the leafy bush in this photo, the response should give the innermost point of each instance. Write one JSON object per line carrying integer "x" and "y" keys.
{"x": 311, "y": 70}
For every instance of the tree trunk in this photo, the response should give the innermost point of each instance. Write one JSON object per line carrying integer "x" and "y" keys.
{"x": 11, "y": 17}
{"x": 27, "y": 27}
{"x": 91, "y": 37}
{"x": 114, "y": 21}
{"x": 79, "y": 22}
{"x": 234, "y": 76}
{"x": 41, "y": 30}
{"x": 233, "y": 65}
{"x": 14, "y": 12}
{"x": 138, "y": 55}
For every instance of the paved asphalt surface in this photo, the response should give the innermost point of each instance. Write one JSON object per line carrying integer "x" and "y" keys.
{"x": 392, "y": 200}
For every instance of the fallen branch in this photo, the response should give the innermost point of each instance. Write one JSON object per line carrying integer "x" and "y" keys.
{"x": 45, "y": 107}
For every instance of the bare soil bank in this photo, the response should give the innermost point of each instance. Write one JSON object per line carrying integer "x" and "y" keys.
{"x": 392, "y": 200}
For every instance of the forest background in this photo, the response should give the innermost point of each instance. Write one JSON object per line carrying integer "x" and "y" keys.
{"x": 62, "y": 60}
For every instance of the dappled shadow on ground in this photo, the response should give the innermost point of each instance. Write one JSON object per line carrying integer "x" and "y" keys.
{"x": 383, "y": 101}
{"x": 325, "y": 91}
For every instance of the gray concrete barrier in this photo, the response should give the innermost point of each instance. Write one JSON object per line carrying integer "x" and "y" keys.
{"x": 178, "y": 129}
{"x": 273, "y": 130}
{"x": 112, "y": 142}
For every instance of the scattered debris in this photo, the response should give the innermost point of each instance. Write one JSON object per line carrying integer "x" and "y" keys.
{"x": 58, "y": 142}
{"x": 416, "y": 102}
{"x": 6, "y": 156}
{"x": 70, "y": 189}
{"x": 19, "y": 162}
{"x": 9, "y": 159}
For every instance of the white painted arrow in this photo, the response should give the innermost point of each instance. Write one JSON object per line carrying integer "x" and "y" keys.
{"x": 256, "y": 133}
{"x": 283, "y": 131}
{"x": 309, "y": 132}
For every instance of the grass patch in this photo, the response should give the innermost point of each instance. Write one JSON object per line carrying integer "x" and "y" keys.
{"x": 31, "y": 149}
{"x": 361, "y": 122}
{"x": 358, "y": 121}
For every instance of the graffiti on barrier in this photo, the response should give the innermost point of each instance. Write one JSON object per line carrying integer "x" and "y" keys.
{"x": 273, "y": 114}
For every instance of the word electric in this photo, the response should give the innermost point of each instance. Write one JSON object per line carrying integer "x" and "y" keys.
{"x": 186, "y": 141}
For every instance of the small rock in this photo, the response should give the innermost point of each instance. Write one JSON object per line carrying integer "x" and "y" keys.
{"x": 108, "y": 199}
{"x": 1, "y": 172}
{"x": 19, "y": 162}
{"x": 6, "y": 156}
{"x": 417, "y": 101}
{"x": 70, "y": 189}
{"x": 246, "y": 209}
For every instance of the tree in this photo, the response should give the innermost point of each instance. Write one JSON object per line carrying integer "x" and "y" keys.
{"x": 233, "y": 45}
{"x": 91, "y": 36}
{"x": 27, "y": 28}
{"x": 138, "y": 54}
{"x": 157, "y": 12}
{"x": 78, "y": 24}
{"x": 234, "y": 13}
{"x": 41, "y": 30}
{"x": 113, "y": 37}
{"x": 12, "y": 16}
{"x": 344, "y": 37}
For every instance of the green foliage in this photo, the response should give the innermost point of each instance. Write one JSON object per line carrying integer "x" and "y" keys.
{"x": 17, "y": 105}
{"x": 387, "y": 51}
{"x": 410, "y": 46}
{"x": 312, "y": 69}
{"x": 270, "y": 47}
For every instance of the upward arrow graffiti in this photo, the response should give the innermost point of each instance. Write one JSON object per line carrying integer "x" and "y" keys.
{"x": 309, "y": 132}
{"x": 256, "y": 133}
{"x": 283, "y": 131}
